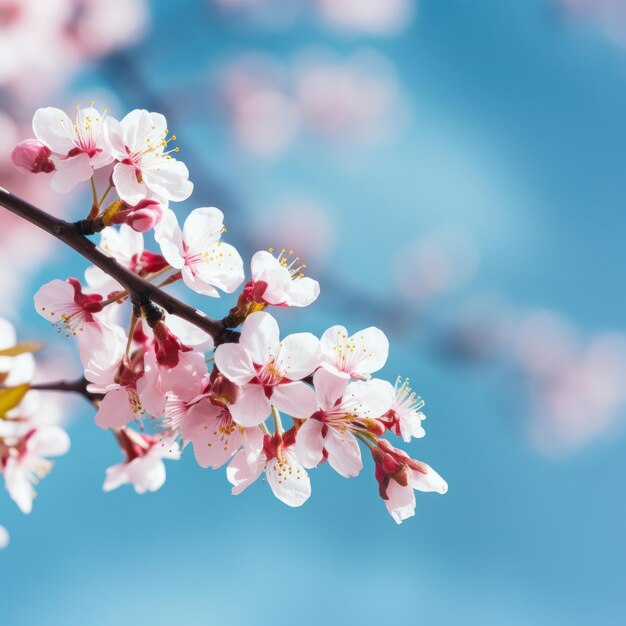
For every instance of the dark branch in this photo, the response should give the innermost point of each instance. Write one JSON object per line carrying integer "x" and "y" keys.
{"x": 139, "y": 289}
{"x": 71, "y": 386}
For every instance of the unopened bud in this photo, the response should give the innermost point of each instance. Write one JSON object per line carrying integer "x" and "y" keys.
{"x": 151, "y": 262}
{"x": 401, "y": 476}
{"x": 167, "y": 345}
{"x": 141, "y": 217}
{"x": 32, "y": 156}
{"x": 224, "y": 390}
{"x": 374, "y": 426}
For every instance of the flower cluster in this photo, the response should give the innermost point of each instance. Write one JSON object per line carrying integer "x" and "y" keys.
{"x": 136, "y": 149}
{"x": 29, "y": 432}
{"x": 248, "y": 399}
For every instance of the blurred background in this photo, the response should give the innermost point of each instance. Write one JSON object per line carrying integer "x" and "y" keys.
{"x": 452, "y": 172}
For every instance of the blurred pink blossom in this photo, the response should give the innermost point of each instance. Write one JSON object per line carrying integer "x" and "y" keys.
{"x": 576, "y": 385}
{"x": 375, "y": 17}
{"x": 571, "y": 383}
{"x": 435, "y": 264}
{"x": 270, "y": 105}
{"x": 608, "y": 15}
{"x": 263, "y": 117}
{"x": 35, "y": 54}
{"x": 352, "y": 99}
{"x": 370, "y": 17}
{"x": 99, "y": 28}
{"x": 45, "y": 43}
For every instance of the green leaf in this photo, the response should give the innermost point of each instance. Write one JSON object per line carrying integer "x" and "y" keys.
{"x": 11, "y": 397}
{"x": 22, "y": 348}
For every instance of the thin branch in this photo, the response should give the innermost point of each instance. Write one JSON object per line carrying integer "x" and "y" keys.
{"x": 140, "y": 289}
{"x": 71, "y": 386}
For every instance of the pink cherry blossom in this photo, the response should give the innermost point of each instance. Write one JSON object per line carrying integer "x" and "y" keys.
{"x": 126, "y": 245}
{"x": 344, "y": 410}
{"x": 183, "y": 380}
{"x": 404, "y": 418}
{"x": 398, "y": 476}
{"x": 269, "y": 371}
{"x": 24, "y": 465}
{"x": 63, "y": 303}
{"x": 357, "y": 356}
{"x": 101, "y": 350}
{"x": 100, "y": 341}
{"x": 143, "y": 467}
{"x": 121, "y": 403}
{"x": 280, "y": 281}
{"x": 78, "y": 147}
{"x": 144, "y": 167}
{"x": 209, "y": 426}
{"x": 285, "y": 474}
{"x": 32, "y": 156}
{"x": 401, "y": 500}
{"x": 196, "y": 250}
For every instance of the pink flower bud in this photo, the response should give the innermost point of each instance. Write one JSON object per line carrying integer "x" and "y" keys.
{"x": 32, "y": 156}
{"x": 141, "y": 217}
{"x": 393, "y": 464}
{"x": 167, "y": 345}
{"x": 150, "y": 262}
{"x": 223, "y": 390}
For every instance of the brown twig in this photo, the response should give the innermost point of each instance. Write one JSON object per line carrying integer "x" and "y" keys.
{"x": 78, "y": 386}
{"x": 141, "y": 290}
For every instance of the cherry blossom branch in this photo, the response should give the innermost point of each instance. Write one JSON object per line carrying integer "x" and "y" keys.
{"x": 141, "y": 291}
{"x": 78, "y": 386}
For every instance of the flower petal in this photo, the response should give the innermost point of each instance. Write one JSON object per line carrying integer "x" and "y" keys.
{"x": 260, "y": 337}
{"x": 170, "y": 237}
{"x": 299, "y": 355}
{"x": 329, "y": 387}
{"x": 212, "y": 445}
{"x": 234, "y": 362}
{"x": 126, "y": 184}
{"x": 203, "y": 228}
{"x": 431, "y": 481}
{"x": 115, "y": 410}
{"x": 169, "y": 181}
{"x": 296, "y": 399}
{"x": 303, "y": 291}
{"x": 288, "y": 479}
{"x": 344, "y": 454}
{"x": 219, "y": 266}
{"x": 310, "y": 443}
{"x": 374, "y": 397}
{"x": 240, "y": 474}
{"x": 376, "y": 345}
{"x": 49, "y": 441}
{"x": 54, "y": 128}
{"x": 70, "y": 172}
{"x": 252, "y": 406}
{"x": 400, "y": 501}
